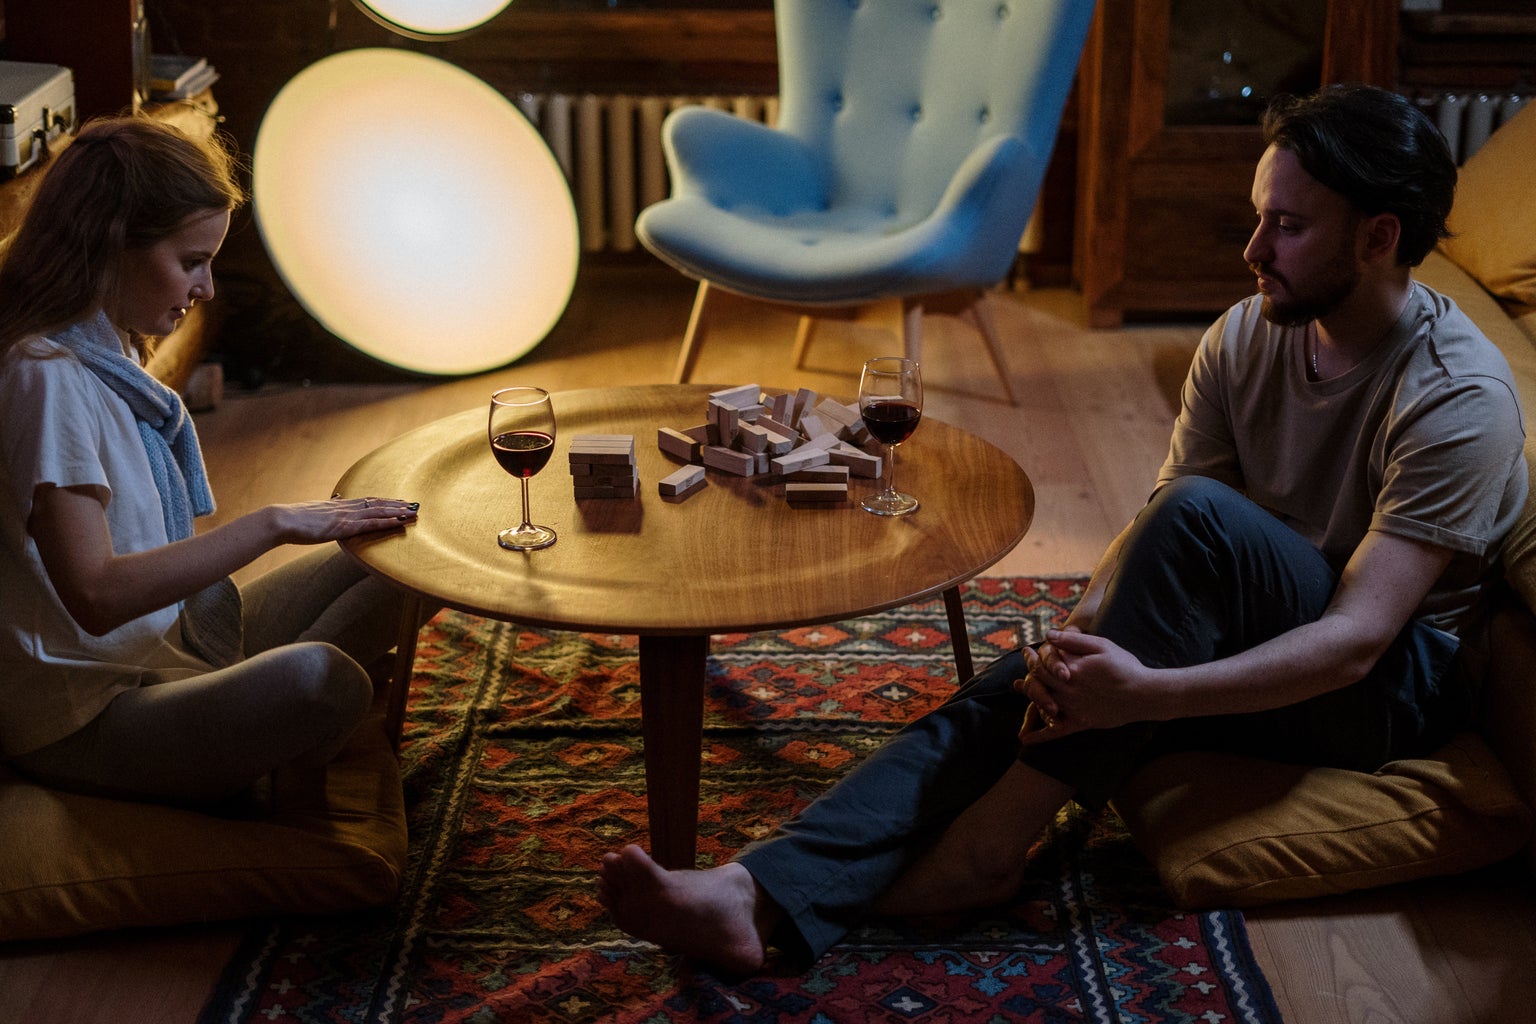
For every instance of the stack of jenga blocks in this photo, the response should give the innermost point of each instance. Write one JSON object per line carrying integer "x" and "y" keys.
{"x": 603, "y": 466}
{"x": 813, "y": 444}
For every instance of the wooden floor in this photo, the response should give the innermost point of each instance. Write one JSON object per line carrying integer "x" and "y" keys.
{"x": 1091, "y": 428}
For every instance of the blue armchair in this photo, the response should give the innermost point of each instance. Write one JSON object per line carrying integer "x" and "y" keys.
{"x": 912, "y": 140}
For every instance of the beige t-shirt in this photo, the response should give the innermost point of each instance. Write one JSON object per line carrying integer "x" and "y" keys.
{"x": 1422, "y": 440}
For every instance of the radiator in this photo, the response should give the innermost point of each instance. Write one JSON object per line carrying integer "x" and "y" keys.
{"x": 609, "y": 147}
{"x": 1466, "y": 119}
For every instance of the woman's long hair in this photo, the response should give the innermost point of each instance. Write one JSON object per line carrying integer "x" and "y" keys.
{"x": 124, "y": 183}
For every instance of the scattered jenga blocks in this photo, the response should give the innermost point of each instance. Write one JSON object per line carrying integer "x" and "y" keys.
{"x": 603, "y": 466}
{"x": 808, "y": 441}
{"x": 684, "y": 482}
{"x": 850, "y": 422}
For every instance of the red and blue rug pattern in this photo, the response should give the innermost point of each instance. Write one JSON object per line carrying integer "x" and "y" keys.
{"x": 523, "y": 763}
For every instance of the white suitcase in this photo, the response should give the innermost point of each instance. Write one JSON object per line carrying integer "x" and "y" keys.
{"x": 37, "y": 106}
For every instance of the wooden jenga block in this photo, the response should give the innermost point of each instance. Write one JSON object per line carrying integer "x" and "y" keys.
{"x": 801, "y": 458}
{"x": 815, "y": 494}
{"x": 779, "y": 405}
{"x": 825, "y": 442}
{"x": 738, "y": 397}
{"x": 860, "y": 463}
{"x": 836, "y": 412}
{"x": 813, "y": 426}
{"x": 805, "y": 401}
{"x": 682, "y": 483}
{"x": 779, "y": 444}
{"x": 752, "y": 438}
{"x": 597, "y": 449}
{"x": 727, "y": 421}
{"x": 729, "y": 460}
{"x": 778, "y": 426}
{"x": 704, "y": 433}
{"x": 613, "y": 491}
{"x": 677, "y": 444}
{"x": 828, "y": 474}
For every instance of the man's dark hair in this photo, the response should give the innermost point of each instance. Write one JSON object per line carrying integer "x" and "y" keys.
{"x": 1378, "y": 150}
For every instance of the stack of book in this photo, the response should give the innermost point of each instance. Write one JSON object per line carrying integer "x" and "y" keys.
{"x": 173, "y": 76}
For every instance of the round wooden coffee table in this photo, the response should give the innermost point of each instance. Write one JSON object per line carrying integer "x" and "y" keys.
{"x": 732, "y": 558}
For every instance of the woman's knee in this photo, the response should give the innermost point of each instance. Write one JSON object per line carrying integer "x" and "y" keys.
{"x": 322, "y": 679}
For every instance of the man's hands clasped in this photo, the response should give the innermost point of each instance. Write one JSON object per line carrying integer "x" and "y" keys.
{"x": 1078, "y": 681}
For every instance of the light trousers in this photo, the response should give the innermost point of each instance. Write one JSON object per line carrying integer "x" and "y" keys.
{"x": 310, "y": 626}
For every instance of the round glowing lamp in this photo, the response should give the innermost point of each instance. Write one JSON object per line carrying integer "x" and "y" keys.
{"x": 432, "y": 19}
{"x": 414, "y": 211}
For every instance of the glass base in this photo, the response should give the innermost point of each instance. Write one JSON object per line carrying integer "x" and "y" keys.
{"x": 526, "y": 538}
{"x": 889, "y": 503}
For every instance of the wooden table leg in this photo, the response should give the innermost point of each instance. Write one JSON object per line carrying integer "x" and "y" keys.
{"x": 405, "y": 662}
{"x": 958, "y": 637}
{"x": 672, "y": 721}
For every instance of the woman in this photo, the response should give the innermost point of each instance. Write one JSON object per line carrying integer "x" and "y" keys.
{"x": 129, "y": 664}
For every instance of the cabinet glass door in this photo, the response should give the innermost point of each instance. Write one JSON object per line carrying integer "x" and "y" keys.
{"x": 1228, "y": 58}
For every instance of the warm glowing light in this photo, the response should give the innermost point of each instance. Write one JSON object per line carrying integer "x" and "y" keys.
{"x": 432, "y": 17}
{"x": 414, "y": 211}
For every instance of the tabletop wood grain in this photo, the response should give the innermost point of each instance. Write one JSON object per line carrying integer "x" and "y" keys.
{"x": 734, "y": 557}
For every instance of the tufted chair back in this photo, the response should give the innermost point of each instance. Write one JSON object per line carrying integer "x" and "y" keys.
{"x": 895, "y": 94}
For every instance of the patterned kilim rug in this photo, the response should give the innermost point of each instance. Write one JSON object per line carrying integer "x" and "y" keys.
{"x": 522, "y": 763}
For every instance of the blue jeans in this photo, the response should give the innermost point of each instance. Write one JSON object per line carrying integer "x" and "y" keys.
{"x": 1203, "y": 574}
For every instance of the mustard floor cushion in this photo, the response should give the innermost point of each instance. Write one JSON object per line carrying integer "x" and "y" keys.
{"x": 1231, "y": 831}
{"x": 71, "y": 864}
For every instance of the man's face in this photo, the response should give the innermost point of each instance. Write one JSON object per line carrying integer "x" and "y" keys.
{"x": 1305, "y": 249}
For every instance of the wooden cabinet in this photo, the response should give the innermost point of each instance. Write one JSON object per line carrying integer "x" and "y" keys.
{"x": 1170, "y": 93}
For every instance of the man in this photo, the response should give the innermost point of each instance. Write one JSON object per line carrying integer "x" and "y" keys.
{"x": 1306, "y": 582}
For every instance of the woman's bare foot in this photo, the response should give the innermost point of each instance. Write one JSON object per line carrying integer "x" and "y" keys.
{"x": 718, "y": 915}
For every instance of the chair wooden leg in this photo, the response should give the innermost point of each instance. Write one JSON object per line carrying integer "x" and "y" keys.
{"x": 694, "y": 337}
{"x": 912, "y": 329}
{"x": 803, "y": 334}
{"x": 979, "y": 315}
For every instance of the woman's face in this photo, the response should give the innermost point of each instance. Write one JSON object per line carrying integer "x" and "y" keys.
{"x": 158, "y": 285}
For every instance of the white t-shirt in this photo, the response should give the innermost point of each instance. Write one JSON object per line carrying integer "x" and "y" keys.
{"x": 1422, "y": 439}
{"x": 62, "y": 427}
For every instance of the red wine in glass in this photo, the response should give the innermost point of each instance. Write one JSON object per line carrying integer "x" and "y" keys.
{"x": 522, "y": 435}
{"x": 523, "y": 452}
{"x": 891, "y": 403}
{"x": 891, "y": 420}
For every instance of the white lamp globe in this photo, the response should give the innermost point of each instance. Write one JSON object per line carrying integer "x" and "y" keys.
{"x": 434, "y": 19}
{"x": 414, "y": 211}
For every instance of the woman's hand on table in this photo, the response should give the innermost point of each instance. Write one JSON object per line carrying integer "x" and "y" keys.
{"x": 315, "y": 522}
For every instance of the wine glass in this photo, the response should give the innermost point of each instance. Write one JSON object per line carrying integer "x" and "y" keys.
{"x": 522, "y": 432}
{"x": 891, "y": 402}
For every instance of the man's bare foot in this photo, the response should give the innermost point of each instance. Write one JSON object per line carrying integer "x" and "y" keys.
{"x": 718, "y": 915}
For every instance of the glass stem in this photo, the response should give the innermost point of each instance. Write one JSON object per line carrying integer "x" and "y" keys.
{"x": 527, "y": 519}
{"x": 890, "y": 469}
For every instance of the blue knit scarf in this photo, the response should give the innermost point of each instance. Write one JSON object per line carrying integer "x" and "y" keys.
{"x": 170, "y": 440}
{"x": 210, "y": 619}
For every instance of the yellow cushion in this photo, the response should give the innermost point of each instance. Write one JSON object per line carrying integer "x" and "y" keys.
{"x": 1232, "y": 831}
{"x": 1494, "y": 218}
{"x": 71, "y": 864}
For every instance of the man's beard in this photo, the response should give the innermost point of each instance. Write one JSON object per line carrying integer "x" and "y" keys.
{"x": 1336, "y": 281}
